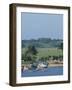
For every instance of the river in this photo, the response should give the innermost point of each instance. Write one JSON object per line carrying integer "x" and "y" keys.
{"x": 50, "y": 71}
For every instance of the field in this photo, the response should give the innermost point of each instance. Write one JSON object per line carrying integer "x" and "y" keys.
{"x": 45, "y": 52}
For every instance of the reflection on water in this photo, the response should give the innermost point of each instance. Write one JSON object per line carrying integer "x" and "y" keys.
{"x": 44, "y": 72}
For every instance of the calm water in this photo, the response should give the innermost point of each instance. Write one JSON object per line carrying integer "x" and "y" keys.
{"x": 45, "y": 72}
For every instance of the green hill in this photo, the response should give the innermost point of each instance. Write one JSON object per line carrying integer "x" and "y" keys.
{"x": 42, "y": 43}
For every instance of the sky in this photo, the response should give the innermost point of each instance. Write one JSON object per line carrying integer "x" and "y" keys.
{"x": 41, "y": 25}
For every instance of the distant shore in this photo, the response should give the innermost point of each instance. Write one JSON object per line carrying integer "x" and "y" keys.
{"x": 55, "y": 65}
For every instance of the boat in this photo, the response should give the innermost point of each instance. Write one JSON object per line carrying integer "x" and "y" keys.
{"x": 41, "y": 66}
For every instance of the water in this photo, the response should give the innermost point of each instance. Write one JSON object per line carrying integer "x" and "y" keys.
{"x": 50, "y": 71}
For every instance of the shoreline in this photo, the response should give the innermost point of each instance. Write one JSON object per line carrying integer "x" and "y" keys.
{"x": 55, "y": 65}
{"x": 49, "y": 65}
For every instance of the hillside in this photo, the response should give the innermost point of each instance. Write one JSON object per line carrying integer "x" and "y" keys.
{"x": 42, "y": 42}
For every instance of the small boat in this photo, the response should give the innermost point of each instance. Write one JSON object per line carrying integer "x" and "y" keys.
{"x": 42, "y": 65}
{"x": 39, "y": 65}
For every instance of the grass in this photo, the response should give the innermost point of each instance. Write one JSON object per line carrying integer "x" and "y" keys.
{"x": 45, "y": 52}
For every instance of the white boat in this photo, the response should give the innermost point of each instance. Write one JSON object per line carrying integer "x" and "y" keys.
{"x": 41, "y": 66}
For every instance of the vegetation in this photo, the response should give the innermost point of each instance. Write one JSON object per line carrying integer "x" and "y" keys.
{"x": 61, "y": 46}
{"x": 43, "y": 49}
{"x": 42, "y": 43}
{"x": 29, "y": 54}
{"x": 45, "y": 54}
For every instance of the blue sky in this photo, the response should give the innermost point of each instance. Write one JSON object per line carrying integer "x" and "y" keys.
{"x": 41, "y": 25}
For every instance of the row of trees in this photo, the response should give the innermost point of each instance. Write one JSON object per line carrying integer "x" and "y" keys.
{"x": 42, "y": 42}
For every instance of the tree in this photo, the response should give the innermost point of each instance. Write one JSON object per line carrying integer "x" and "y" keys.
{"x": 30, "y": 54}
{"x": 61, "y": 46}
{"x": 33, "y": 50}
